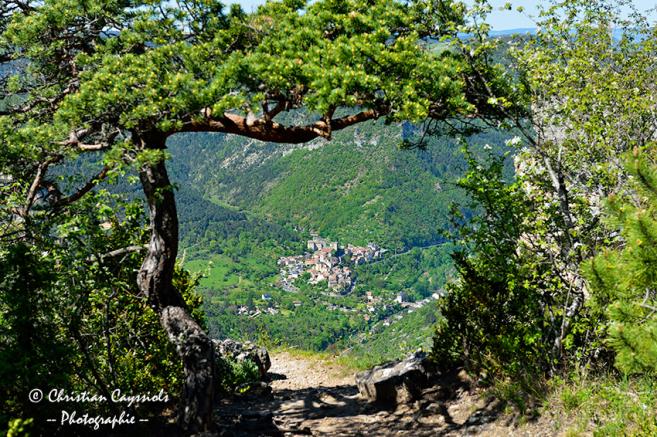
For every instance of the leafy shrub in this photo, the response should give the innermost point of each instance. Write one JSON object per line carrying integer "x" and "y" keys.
{"x": 235, "y": 376}
{"x": 492, "y": 319}
{"x": 73, "y": 320}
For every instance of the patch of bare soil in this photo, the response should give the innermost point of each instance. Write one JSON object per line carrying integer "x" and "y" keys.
{"x": 311, "y": 397}
{"x": 293, "y": 373}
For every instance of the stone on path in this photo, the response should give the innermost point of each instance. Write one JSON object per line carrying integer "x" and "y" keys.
{"x": 395, "y": 383}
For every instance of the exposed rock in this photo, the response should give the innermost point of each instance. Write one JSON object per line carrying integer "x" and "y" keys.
{"x": 241, "y": 352}
{"x": 396, "y": 382}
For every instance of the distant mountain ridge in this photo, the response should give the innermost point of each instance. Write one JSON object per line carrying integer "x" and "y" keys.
{"x": 515, "y": 31}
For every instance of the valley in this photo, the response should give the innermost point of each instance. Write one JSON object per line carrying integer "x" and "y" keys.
{"x": 337, "y": 246}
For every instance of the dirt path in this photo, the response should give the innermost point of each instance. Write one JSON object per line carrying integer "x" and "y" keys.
{"x": 294, "y": 373}
{"x": 313, "y": 397}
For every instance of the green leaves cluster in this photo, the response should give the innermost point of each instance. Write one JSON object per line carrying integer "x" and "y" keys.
{"x": 589, "y": 76}
{"x": 493, "y": 316}
{"x": 147, "y": 64}
{"x": 71, "y": 316}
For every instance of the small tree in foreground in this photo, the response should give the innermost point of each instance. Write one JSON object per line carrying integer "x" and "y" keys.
{"x": 494, "y": 315}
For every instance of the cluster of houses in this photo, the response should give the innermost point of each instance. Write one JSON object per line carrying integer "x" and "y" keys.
{"x": 362, "y": 255}
{"x": 326, "y": 262}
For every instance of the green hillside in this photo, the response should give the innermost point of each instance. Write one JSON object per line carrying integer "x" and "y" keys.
{"x": 244, "y": 203}
{"x": 358, "y": 188}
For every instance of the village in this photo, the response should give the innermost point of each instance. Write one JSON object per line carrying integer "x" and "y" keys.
{"x": 327, "y": 261}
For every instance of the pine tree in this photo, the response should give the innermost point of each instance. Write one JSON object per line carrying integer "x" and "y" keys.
{"x": 624, "y": 280}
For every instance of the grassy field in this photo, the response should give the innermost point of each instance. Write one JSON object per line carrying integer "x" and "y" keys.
{"x": 605, "y": 406}
{"x": 221, "y": 272}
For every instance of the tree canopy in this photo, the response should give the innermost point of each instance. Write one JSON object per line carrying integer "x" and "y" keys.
{"x": 103, "y": 70}
{"x": 576, "y": 218}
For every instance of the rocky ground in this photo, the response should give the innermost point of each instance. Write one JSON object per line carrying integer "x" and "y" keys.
{"x": 315, "y": 397}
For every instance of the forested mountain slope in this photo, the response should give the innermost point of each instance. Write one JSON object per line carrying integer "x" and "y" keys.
{"x": 360, "y": 187}
{"x": 242, "y": 204}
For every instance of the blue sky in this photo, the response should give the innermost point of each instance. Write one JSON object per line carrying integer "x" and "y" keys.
{"x": 500, "y": 20}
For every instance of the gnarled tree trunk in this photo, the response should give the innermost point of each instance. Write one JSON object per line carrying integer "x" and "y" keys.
{"x": 155, "y": 280}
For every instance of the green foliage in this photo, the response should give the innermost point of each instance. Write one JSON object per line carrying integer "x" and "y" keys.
{"x": 623, "y": 279}
{"x": 34, "y": 352}
{"x": 71, "y": 318}
{"x": 520, "y": 301}
{"x": 20, "y": 427}
{"x": 492, "y": 317}
{"x": 235, "y": 377}
{"x": 335, "y": 55}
